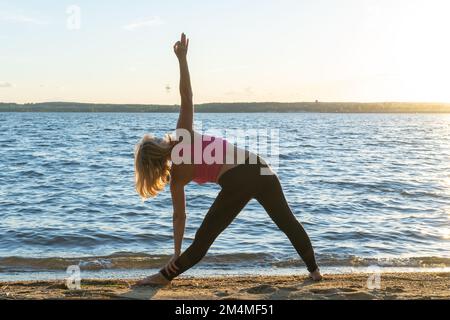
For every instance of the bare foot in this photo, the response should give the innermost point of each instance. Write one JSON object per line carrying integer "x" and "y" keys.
{"x": 154, "y": 280}
{"x": 316, "y": 276}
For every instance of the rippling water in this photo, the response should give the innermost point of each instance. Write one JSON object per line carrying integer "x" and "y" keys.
{"x": 369, "y": 189}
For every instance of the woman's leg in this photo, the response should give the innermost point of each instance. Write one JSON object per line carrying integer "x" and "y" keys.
{"x": 272, "y": 198}
{"x": 225, "y": 208}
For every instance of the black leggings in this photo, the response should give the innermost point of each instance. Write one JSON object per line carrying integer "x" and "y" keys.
{"x": 239, "y": 186}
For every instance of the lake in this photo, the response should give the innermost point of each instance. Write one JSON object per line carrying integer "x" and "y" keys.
{"x": 370, "y": 189}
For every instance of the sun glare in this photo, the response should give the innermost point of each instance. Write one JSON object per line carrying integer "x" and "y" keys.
{"x": 420, "y": 68}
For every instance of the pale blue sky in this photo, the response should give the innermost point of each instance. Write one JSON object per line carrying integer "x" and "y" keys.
{"x": 341, "y": 50}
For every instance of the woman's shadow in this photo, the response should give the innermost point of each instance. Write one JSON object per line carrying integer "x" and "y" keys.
{"x": 145, "y": 292}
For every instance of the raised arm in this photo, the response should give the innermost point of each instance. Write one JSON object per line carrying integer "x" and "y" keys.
{"x": 186, "y": 118}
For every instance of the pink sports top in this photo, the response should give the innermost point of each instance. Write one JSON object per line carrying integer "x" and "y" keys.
{"x": 206, "y": 164}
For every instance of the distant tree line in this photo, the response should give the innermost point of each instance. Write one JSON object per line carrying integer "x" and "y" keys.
{"x": 323, "y": 107}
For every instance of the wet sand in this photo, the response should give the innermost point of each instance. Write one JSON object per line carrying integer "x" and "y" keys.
{"x": 344, "y": 286}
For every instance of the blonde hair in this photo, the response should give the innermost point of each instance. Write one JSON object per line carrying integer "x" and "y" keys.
{"x": 152, "y": 165}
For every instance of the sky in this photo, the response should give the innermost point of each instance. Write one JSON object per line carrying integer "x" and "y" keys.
{"x": 120, "y": 51}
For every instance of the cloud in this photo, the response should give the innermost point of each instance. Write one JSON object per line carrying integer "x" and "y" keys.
{"x": 19, "y": 18}
{"x": 144, "y": 23}
{"x": 4, "y": 85}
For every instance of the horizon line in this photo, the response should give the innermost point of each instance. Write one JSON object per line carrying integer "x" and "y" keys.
{"x": 237, "y": 102}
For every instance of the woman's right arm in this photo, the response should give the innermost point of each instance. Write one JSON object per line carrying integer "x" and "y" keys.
{"x": 179, "y": 214}
{"x": 186, "y": 118}
{"x": 179, "y": 223}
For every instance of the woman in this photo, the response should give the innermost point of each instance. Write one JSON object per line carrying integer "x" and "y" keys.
{"x": 155, "y": 166}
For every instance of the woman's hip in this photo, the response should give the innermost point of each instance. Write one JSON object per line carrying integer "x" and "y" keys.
{"x": 249, "y": 175}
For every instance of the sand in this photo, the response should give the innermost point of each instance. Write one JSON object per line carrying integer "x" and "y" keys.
{"x": 345, "y": 286}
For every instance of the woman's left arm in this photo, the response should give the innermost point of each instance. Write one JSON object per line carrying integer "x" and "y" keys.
{"x": 185, "y": 120}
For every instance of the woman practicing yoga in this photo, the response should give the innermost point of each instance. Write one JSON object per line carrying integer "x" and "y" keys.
{"x": 157, "y": 163}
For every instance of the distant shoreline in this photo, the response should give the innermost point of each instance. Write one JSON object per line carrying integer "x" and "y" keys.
{"x": 256, "y": 107}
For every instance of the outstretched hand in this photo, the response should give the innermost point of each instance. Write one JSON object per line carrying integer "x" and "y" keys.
{"x": 181, "y": 47}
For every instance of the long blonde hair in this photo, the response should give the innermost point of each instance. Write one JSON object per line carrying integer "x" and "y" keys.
{"x": 152, "y": 165}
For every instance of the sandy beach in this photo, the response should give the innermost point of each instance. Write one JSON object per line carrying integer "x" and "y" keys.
{"x": 344, "y": 286}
